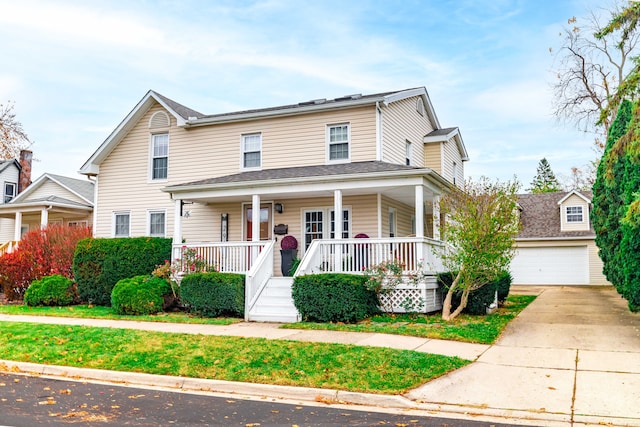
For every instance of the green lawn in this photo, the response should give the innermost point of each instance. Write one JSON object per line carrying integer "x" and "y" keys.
{"x": 333, "y": 366}
{"x": 475, "y": 329}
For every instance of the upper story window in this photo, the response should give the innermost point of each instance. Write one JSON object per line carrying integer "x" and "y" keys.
{"x": 252, "y": 151}
{"x": 157, "y": 223}
{"x": 10, "y": 189}
{"x": 121, "y": 224}
{"x": 338, "y": 142}
{"x": 159, "y": 156}
{"x": 407, "y": 155}
{"x": 574, "y": 214}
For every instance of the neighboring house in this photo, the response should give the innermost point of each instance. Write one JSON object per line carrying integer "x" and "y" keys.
{"x": 51, "y": 199}
{"x": 15, "y": 176}
{"x": 556, "y": 245}
{"x": 232, "y": 184}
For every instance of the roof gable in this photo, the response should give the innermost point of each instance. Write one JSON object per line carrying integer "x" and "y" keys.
{"x": 81, "y": 188}
{"x": 444, "y": 135}
{"x": 4, "y": 164}
{"x": 540, "y": 216}
{"x": 575, "y": 193}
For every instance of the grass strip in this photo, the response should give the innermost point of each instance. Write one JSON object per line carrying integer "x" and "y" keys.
{"x": 466, "y": 328}
{"x": 255, "y": 360}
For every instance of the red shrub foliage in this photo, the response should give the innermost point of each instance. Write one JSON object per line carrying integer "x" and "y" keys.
{"x": 40, "y": 253}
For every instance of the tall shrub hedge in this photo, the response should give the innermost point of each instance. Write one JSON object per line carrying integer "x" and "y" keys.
{"x": 334, "y": 297}
{"x": 99, "y": 264}
{"x": 213, "y": 294}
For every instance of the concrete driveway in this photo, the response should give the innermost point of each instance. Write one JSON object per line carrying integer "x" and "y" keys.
{"x": 571, "y": 358}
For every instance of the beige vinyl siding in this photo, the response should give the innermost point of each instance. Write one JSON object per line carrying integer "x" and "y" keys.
{"x": 401, "y": 122}
{"x": 403, "y": 217}
{"x": 212, "y": 151}
{"x": 574, "y": 200}
{"x": 594, "y": 262}
{"x": 49, "y": 188}
{"x": 7, "y": 230}
{"x": 433, "y": 156}
{"x": 451, "y": 154}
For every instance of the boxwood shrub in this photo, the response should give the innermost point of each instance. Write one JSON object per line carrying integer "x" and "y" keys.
{"x": 53, "y": 290}
{"x": 98, "y": 264}
{"x": 139, "y": 295}
{"x": 480, "y": 299}
{"x": 213, "y": 294}
{"x": 334, "y": 297}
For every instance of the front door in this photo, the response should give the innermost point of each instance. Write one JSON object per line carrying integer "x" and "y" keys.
{"x": 265, "y": 222}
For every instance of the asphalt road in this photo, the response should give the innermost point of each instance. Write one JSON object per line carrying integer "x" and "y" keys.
{"x": 32, "y": 401}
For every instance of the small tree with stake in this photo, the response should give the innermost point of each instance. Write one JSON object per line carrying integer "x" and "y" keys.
{"x": 480, "y": 229}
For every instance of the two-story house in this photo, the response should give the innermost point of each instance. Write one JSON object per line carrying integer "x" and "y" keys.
{"x": 231, "y": 185}
{"x": 556, "y": 245}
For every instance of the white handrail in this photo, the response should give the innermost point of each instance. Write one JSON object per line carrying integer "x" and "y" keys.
{"x": 230, "y": 257}
{"x": 258, "y": 277}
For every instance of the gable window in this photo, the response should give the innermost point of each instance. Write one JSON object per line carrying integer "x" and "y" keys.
{"x": 252, "y": 151}
{"x": 157, "y": 223}
{"x": 338, "y": 142}
{"x": 420, "y": 106}
{"x": 121, "y": 224}
{"x": 407, "y": 151}
{"x": 159, "y": 156}
{"x": 574, "y": 214}
{"x": 10, "y": 189}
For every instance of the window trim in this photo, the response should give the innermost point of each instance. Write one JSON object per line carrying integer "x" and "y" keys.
{"x": 78, "y": 223}
{"x": 329, "y": 143}
{"x": 408, "y": 151}
{"x": 164, "y": 226}
{"x": 243, "y": 151}
{"x": 4, "y": 191}
{"x": 114, "y": 223}
{"x": 568, "y": 214}
{"x": 153, "y": 157}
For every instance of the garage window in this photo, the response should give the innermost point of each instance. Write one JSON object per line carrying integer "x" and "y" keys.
{"x": 574, "y": 214}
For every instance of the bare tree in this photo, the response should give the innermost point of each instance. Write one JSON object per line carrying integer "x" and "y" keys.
{"x": 589, "y": 70}
{"x": 12, "y": 137}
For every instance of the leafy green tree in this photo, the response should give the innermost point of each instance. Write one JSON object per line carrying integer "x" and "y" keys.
{"x": 545, "y": 180}
{"x": 480, "y": 229}
{"x": 608, "y": 199}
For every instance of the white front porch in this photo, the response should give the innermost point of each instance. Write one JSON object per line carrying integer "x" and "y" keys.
{"x": 268, "y": 298}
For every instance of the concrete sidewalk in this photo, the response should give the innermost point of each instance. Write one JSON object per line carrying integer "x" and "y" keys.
{"x": 571, "y": 358}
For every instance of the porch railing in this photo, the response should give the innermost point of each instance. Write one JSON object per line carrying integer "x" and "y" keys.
{"x": 9, "y": 246}
{"x": 258, "y": 277}
{"x": 229, "y": 257}
{"x": 356, "y": 255}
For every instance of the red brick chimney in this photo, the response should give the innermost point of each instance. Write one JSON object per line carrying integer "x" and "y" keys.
{"x": 26, "y": 156}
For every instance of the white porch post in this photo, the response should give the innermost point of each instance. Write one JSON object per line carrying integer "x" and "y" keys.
{"x": 255, "y": 224}
{"x": 44, "y": 218}
{"x": 436, "y": 217}
{"x": 177, "y": 227}
{"x": 18, "y": 227}
{"x": 419, "y": 214}
{"x": 337, "y": 219}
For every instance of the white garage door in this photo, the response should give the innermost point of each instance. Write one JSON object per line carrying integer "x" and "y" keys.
{"x": 551, "y": 266}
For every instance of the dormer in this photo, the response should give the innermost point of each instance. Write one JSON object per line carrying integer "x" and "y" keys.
{"x": 574, "y": 212}
{"x": 444, "y": 152}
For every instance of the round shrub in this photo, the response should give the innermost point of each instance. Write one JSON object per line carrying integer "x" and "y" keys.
{"x": 289, "y": 242}
{"x": 334, "y": 298}
{"x": 53, "y": 290}
{"x": 213, "y": 294}
{"x": 139, "y": 295}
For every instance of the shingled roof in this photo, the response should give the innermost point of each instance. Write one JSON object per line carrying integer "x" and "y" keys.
{"x": 540, "y": 216}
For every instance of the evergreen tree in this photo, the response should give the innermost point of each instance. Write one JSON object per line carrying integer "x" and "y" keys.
{"x": 608, "y": 200}
{"x": 545, "y": 180}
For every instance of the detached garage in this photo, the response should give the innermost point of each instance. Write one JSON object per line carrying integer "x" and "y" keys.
{"x": 556, "y": 244}
{"x": 551, "y": 266}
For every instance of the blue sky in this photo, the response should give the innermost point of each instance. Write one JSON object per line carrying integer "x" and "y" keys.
{"x": 76, "y": 68}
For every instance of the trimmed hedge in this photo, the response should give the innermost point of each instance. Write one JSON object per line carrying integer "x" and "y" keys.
{"x": 213, "y": 294}
{"x": 53, "y": 290}
{"x": 98, "y": 264}
{"x": 334, "y": 297}
{"x": 480, "y": 299}
{"x": 139, "y": 295}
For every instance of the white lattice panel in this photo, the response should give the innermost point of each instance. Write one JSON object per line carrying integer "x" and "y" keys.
{"x": 423, "y": 297}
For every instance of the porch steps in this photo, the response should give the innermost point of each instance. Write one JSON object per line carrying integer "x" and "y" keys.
{"x": 275, "y": 303}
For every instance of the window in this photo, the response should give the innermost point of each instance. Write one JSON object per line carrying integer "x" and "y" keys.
{"x": 83, "y": 223}
{"x": 157, "y": 223}
{"x": 9, "y": 191}
{"x": 338, "y": 142}
{"x": 574, "y": 213}
{"x": 393, "y": 229}
{"x": 121, "y": 224}
{"x": 160, "y": 156}
{"x": 407, "y": 150}
{"x": 252, "y": 151}
{"x": 320, "y": 224}
{"x": 455, "y": 172}
{"x": 420, "y": 106}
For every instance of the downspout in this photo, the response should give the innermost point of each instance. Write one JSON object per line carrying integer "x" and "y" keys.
{"x": 378, "y": 132}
